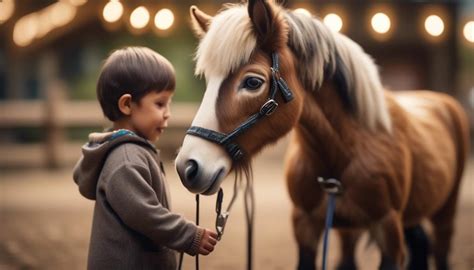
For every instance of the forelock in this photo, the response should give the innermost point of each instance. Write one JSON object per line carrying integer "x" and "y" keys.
{"x": 227, "y": 45}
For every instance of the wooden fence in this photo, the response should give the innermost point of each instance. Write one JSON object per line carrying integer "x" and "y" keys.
{"x": 54, "y": 116}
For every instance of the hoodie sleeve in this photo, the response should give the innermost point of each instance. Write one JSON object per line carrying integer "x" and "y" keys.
{"x": 134, "y": 200}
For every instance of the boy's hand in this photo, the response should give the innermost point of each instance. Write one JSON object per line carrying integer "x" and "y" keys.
{"x": 208, "y": 241}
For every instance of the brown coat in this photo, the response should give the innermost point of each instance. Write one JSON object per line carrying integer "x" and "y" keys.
{"x": 133, "y": 227}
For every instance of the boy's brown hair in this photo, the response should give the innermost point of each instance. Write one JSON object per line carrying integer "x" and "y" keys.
{"x": 135, "y": 71}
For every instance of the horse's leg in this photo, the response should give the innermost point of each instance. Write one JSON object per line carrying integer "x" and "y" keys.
{"x": 443, "y": 225}
{"x": 418, "y": 247}
{"x": 348, "y": 244}
{"x": 307, "y": 235}
{"x": 388, "y": 233}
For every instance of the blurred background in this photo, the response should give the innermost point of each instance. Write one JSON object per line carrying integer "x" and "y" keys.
{"x": 50, "y": 56}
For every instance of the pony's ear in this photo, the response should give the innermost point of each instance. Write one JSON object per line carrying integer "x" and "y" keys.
{"x": 264, "y": 22}
{"x": 200, "y": 21}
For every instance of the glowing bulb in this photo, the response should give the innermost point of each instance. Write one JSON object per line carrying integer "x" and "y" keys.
{"x": 77, "y": 2}
{"x": 45, "y": 23}
{"x": 434, "y": 25}
{"x": 113, "y": 11}
{"x": 164, "y": 19}
{"x": 25, "y": 30}
{"x": 381, "y": 23}
{"x": 62, "y": 13}
{"x": 139, "y": 17}
{"x": 6, "y": 10}
{"x": 303, "y": 11}
{"x": 333, "y": 21}
{"x": 468, "y": 31}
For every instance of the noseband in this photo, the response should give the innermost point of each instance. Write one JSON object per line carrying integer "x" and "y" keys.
{"x": 228, "y": 140}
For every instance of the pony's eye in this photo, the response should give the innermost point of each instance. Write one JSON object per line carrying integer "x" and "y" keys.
{"x": 252, "y": 83}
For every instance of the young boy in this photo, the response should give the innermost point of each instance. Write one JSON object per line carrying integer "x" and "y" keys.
{"x": 133, "y": 227}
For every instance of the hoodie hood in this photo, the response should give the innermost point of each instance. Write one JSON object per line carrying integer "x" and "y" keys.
{"x": 94, "y": 153}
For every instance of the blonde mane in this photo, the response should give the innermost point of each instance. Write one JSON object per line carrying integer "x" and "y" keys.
{"x": 228, "y": 43}
{"x": 321, "y": 53}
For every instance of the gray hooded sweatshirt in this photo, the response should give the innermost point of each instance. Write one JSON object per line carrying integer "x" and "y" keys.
{"x": 132, "y": 227}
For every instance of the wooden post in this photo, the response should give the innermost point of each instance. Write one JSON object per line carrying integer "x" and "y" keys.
{"x": 53, "y": 90}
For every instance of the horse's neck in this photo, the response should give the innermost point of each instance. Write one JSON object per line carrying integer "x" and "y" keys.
{"x": 323, "y": 129}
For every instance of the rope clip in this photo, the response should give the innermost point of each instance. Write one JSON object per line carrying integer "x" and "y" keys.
{"x": 221, "y": 220}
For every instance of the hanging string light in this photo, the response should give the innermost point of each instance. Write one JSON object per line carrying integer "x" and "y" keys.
{"x": 38, "y": 24}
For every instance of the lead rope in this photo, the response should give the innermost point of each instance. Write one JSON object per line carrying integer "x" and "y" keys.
{"x": 249, "y": 204}
{"x": 332, "y": 187}
{"x": 181, "y": 254}
{"x": 197, "y": 224}
{"x": 222, "y": 217}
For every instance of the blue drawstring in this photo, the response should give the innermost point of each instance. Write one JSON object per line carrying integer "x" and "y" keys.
{"x": 329, "y": 217}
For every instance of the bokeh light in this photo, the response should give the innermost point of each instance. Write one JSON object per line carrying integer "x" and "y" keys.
{"x": 164, "y": 19}
{"x": 62, "y": 13}
{"x": 434, "y": 25}
{"x": 333, "y": 21}
{"x": 112, "y": 11}
{"x": 381, "y": 23}
{"x": 468, "y": 31}
{"x": 25, "y": 30}
{"x": 139, "y": 17}
{"x": 7, "y": 7}
{"x": 76, "y": 2}
{"x": 303, "y": 11}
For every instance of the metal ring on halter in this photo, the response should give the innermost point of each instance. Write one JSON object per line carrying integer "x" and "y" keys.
{"x": 269, "y": 107}
{"x": 331, "y": 185}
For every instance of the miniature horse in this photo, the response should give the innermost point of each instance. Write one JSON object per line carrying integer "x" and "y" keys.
{"x": 398, "y": 155}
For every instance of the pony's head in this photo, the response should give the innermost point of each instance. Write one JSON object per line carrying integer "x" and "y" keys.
{"x": 235, "y": 56}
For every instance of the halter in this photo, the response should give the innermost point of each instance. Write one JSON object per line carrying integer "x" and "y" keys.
{"x": 228, "y": 140}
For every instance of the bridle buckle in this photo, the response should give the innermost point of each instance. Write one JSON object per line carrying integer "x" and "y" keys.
{"x": 269, "y": 107}
{"x": 275, "y": 73}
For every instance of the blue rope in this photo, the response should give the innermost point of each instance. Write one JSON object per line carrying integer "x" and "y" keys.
{"x": 329, "y": 217}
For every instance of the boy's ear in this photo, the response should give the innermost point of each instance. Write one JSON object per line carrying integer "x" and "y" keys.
{"x": 200, "y": 21}
{"x": 125, "y": 104}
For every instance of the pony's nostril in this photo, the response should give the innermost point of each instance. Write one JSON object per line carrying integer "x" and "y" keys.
{"x": 191, "y": 170}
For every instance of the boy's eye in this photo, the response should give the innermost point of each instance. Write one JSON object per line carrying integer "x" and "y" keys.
{"x": 160, "y": 104}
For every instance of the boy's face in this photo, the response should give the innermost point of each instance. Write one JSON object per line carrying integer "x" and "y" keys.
{"x": 149, "y": 117}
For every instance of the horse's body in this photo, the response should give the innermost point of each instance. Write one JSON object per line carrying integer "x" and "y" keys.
{"x": 399, "y": 156}
{"x": 396, "y": 179}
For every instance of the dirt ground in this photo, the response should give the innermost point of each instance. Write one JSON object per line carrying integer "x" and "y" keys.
{"x": 45, "y": 223}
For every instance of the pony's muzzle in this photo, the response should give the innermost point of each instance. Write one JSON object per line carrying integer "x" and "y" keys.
{"x": 196, "y": 180}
